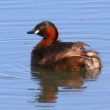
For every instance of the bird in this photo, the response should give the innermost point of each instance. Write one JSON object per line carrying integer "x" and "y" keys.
{"x": 50, "y": 53}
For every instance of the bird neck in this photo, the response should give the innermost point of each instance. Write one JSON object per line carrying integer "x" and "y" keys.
{"x": 50, "y": 36}
{"x": 44, "y": 43}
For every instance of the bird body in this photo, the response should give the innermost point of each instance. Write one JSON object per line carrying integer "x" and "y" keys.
{"x": 56, "y": 55}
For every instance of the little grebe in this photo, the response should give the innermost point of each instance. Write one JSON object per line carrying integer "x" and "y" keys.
{"x": 53, "y": 54}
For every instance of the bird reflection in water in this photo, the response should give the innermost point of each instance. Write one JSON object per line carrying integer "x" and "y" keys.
{"x": 50, "y": 81}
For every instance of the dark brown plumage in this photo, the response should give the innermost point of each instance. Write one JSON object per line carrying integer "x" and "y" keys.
{"x": 52, "y": 54}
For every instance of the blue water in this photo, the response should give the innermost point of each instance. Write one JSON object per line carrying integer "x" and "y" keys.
{"x": 84, "y": 20}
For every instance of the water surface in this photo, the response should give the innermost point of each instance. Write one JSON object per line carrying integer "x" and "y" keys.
{"x": 22, "y": 89}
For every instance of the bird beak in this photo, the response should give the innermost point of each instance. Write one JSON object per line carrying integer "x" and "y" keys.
{"x": 33, "y": 31}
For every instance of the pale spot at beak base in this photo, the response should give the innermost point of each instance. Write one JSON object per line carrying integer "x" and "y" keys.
{"x": 37, "y": 31}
